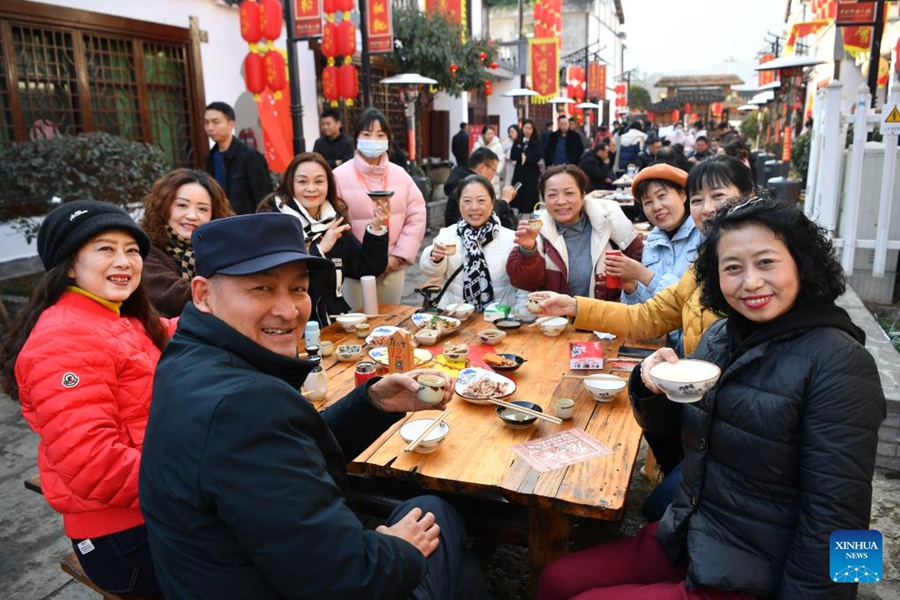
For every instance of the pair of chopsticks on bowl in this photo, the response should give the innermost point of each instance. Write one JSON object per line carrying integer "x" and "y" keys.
{"x": 522, "y": 409}
{"x": 440, "y": 419}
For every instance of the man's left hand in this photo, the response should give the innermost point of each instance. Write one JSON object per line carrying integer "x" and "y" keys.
{"x": 396, "y": 393}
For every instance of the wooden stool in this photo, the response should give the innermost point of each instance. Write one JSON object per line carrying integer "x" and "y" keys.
{"x": 69, "y": 564}
{"x": 650, "y": 470}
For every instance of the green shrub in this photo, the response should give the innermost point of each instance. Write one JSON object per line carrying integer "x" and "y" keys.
{"x": 93, "y": 166}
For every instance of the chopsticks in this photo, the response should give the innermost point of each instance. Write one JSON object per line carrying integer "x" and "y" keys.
{"x": 600, "y": 376}
{"x": 367, "y": 316}
{"x": 522, "y": 409}
{"x": 412, "y": 445}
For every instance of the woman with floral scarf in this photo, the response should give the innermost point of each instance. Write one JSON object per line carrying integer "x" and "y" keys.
{"x": 178, "y": 203}
{"x": 470, "y": 257}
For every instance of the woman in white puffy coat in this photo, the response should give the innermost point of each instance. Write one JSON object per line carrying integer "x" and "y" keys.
{"x": 473, "y": 252}
{"x": 489, "y": 139}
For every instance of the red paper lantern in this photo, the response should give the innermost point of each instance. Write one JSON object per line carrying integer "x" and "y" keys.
{"x": 676, "y": 115}
{"x": 488, "y": 88}
{"x": 344, "y": 5}
{"x": 558, "y": 23}
{"x": 276, "y": 75}
{"x": 255, "y": 74}
{"x": 348, "y": 83}
{"x": 329, "y": 40}
{"x": 494, "y": 65}
{"x": 482, "y": 56}
{"x": 540, "y": 13}
{"x": 687, "y": 107}
{"x": 271, "y": 18}
{"x": 330, "y": 88}
{"x": 453, "y": 68}
{"x": 250, "y": 29}
{"x": 346, "y": 38}
{"x": 717, "y": 108}
{"x": 329, "y": 6}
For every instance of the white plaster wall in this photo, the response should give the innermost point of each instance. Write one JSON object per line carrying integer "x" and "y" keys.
{"x": 222, "y": 56}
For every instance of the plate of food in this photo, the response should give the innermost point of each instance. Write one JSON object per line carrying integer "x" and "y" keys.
{"x": 476, "y": 385}
{"x": 380, "y": 335}
{"x": 503, "y": 362}
{"x": 446, "y": 325}
{"x": 380, "y": 355}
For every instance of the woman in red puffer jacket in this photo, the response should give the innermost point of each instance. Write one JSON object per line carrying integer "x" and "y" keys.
{"x": 81, "y": 360}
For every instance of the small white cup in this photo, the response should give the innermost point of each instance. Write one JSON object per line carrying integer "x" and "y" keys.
{"x": 450, "y": 248}
{"x": 431, "y": 388}
{"x": 564, "y": 408}
{"x": 533, "y": 304}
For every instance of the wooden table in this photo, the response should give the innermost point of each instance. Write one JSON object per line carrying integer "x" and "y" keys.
{"x": 475, "y": 458}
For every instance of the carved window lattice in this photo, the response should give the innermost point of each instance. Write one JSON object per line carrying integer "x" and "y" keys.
{"x": 134, "y": 88}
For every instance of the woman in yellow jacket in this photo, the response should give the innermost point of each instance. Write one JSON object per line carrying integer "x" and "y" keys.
{"x": 710, "y": 184}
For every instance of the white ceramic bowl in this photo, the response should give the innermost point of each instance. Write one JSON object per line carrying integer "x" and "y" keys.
{"x": 414, "y": 429}
{"x": 460, "y": 310}
{"x": 686, "y": 380}
{"x": 348, "y": 352}
{"x": 604, "y": 390}
{"x": 491, "y": 337}
{"x": 553, "y": 326}
{"x": 456, "y": 351}
{"x": 447, "y": 324}
{"x": 349, "y": 321}
{"x": 427, "y": 337}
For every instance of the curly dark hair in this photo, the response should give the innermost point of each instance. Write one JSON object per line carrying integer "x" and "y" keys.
{"x": 285, "y": 190}
{"x": 821, "y": 275}
{"x": 158, "y": 203}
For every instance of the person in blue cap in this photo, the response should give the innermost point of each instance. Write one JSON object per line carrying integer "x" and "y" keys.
{"x": 243, "y": 483}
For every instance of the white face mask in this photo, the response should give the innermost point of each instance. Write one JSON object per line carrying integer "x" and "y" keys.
{"x": 371, "y": 148}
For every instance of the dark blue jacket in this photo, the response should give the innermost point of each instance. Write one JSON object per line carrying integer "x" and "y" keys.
{"x": 778, "y": 455}
{"x": 247, "y": 179}
{"x": 243, "y": 484}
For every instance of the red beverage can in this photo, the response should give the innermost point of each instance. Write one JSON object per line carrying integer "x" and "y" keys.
{"x": 613, "y": 282}
{"x": 365, "y": 370}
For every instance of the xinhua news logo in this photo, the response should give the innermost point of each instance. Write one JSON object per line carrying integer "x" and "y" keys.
{"x": 856, "y": 556}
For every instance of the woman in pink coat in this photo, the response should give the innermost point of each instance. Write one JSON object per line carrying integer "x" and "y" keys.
{"x": 371, "y": 171}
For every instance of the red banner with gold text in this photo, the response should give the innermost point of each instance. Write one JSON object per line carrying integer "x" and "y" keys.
{"x": 454, "y": 10}
{"x": 766, "y": 76}
{"x": 544, "y": 66}
{"x": 307, "y": 18}
{"x": 381, "y": 29}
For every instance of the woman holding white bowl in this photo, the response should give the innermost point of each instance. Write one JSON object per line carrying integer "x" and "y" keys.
{"x": 471, "y": 255}
{"x": 779, "y": 454}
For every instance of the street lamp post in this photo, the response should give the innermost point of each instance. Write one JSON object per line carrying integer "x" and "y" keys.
{"x": 517, "y": 95}
{"x": 409, "y": 84}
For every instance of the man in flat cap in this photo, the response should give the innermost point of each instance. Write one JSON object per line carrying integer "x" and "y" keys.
{"x": 243, "y": 483}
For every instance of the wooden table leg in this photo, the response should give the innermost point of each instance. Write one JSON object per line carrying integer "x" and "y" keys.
{"x": 549, "y": 537}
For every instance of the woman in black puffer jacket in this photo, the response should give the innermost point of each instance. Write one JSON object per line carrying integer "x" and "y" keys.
{"x": 779, "y": 453}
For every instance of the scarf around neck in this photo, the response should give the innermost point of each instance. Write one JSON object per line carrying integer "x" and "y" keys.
{"x": 313, "y": 229}
{"x": 477, "y": 287}
{"x": 182, "y": 253}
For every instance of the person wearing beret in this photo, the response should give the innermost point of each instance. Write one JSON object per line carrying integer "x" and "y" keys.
{"x": 671, "y": 246}
{"x": 244, "y": 483}
{"x": 80, "y": 359}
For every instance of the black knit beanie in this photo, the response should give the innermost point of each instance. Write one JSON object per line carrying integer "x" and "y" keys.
{"x": 69, "y": 227}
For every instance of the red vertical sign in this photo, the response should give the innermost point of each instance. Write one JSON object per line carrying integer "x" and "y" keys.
{"x": 766, "y": 76}
{"x": 307, "y": 18}
{"x": 452, "y": 9}
{"x": 544, "y": 62}
{"x": 596, "y": 81}
{"x": 381, "y": 29}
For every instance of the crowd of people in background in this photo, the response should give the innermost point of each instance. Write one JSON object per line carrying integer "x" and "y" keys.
{"x": 240, "y": 266}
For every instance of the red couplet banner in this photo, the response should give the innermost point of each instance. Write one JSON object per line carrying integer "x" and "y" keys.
{"x": 381, "y": 29}
{"x": 544, "y": 65}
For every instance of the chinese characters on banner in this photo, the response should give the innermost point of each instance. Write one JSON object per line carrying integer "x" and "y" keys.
{"x": 851, "y": 11}
{"x": 381, "y": 29}
{"x": 766, "y": 76}
{"x": 454, "y": 10}
{"x": 544, "y": 62}
{"x": 596, "y": 81}
{"x": 307, "y": 18}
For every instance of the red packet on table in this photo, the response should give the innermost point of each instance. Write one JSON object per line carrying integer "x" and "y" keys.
{"x": 623, "y": 364}
{"x": 585, "y": 355}
{"x": 565, "y": 448}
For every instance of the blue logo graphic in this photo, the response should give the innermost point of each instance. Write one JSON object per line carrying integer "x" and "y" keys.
{"x": 856, "y": 556}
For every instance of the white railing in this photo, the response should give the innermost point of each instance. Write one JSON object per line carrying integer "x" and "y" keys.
{"x": 827, "y": 156}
